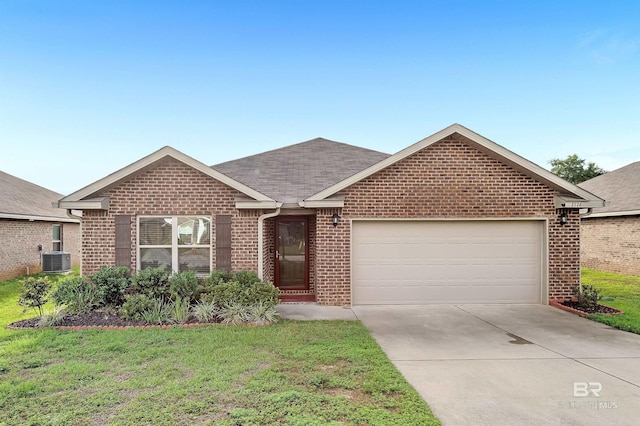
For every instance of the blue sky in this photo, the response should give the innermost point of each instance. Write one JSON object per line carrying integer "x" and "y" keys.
{"x": 89, "y": 87}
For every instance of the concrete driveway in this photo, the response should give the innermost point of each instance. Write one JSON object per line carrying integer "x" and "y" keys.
{"x": 511, "y": 365}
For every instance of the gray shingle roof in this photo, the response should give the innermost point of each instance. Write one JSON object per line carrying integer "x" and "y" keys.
{"x": 620, "y": 188}
{"x": 295, "y": 172}
{"x": 21, "y": 198}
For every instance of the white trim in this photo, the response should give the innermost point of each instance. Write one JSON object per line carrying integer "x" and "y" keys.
{"x": 167, "y": 151}
{"x": 256, "y": 205}
{"x": 322, "y": 204}
{"x": 33, "y": 218}
{"x": 561, "y": 202}
{"x": 612, "y": 214}
{"x": 100, "y": 203}
{"x": 261, "y": 240}
{"x": 544, "y": 244}
{"x": 505, "y": 155}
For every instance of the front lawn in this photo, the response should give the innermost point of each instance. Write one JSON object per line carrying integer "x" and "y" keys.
{"x": 317, "y": 372}
{"x": 618, "y": 291}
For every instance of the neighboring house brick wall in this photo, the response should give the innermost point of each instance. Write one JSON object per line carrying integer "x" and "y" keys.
{"x": 168, "y": 188}
{"x": 611, "y": 244}
{"x": 19, "y": 254}
{"x": 445, "y": 180}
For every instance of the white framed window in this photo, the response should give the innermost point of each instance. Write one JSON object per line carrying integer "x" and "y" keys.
{"x": 175, "y": 243}
{"x": 57, "y": 238}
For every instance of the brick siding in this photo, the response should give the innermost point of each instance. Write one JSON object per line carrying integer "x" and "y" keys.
{"x": 611, "y": 244}
{"x": 170, "y": 188}
{"x": 19, "y": 254}
{"x": 449, "y": 179}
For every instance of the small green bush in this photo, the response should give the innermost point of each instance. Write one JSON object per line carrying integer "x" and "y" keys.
{"x": 154, "y": 282}
{"x": 34, "y": 293}
{"x": 234, "y": 314}
{"x": 135, "y": 305}
{"x": 205, "y": 311}
{"x": 261, "y": 314}
{"x": 246, "y": 278}
{"x": 586, "y": 295}
{"x": 243, "y": 287}
{"x": 218, "y": 277}
{"x": 53, "y": 318}
{"x": 159, "y": 313}
{"x": 112, "y": 283}
{"x": 180, "y": 310}
{"x": 184, "y": 285}
{"x": 76, "y": 294}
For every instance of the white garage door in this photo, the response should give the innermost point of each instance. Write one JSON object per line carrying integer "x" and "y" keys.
{"x": 425, "y": 262}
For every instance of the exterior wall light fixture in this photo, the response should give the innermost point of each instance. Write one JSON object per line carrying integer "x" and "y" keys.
{"x": 334, "y": 219}
{"x": 564, "y": 218}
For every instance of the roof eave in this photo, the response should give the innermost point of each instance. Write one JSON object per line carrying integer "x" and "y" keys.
{"x": 100, "y": 203}
{"x": 35, "y": 218}
{"x": 613, "y": 214}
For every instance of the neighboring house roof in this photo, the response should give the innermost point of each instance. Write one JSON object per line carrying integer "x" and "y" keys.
{"x": 24, "y": 200}
{"x": 295, "y": 172}
{"x": 582, "y": 198}
{"x": 621, "y": 189}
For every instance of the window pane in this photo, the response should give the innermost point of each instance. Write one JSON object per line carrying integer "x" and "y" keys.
{"x": 57, "y": 246}
{"x": 194, "y": 230}
{"x": 155, "y": 231}
{"x": 155, "y": 258}
{"x": 194, "y": 259}
{"x": 56, "y": 233}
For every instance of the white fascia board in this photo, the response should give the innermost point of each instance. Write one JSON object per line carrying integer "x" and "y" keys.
{"x": 561, "y": 202}
{"x": 32, "y": 218}
{"x": 101, "y": 203}
{"x": 156, "y": 156}
{"x": 257, "y": 205}
{"x": 612, "y": 214}
{"x": 322, "y": 204}
{"x": 514, "y": 159}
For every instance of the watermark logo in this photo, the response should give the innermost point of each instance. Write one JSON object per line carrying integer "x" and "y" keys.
{"x": 582, "y": 389}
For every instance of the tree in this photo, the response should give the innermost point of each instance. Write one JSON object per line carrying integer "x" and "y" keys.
{"x": 574, "y": 169}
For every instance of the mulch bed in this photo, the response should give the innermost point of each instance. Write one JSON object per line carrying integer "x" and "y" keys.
{"x": 584, "y": 310}
{"x": 591, "y": 309}
{"x": 91, "y": 319}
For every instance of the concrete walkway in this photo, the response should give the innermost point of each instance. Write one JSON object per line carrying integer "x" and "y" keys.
{"x": 505, "y": 365}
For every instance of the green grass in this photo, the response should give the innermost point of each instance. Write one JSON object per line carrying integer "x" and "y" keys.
{"x": 625, "y": 292}
{"x": 290, "y": 373}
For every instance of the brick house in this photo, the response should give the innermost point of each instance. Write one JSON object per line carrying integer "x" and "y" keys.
{"x": 453, "y": 218}
{"x": 31, "y": 226}
{"x": 611, "y": 234}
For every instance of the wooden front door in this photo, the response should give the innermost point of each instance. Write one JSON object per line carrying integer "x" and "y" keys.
{"x": 292, "y": 253}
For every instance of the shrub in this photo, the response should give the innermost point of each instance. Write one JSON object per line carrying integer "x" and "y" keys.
{"x": 111, "y": 283}
{"x": 159, "y": 312}
{"x": 218, "y": 277}
{"x": 135, "y": 305}
{"x": 234, "y": 313}
{"x": 586, "y": 295}
{"x": 205, "y": 311}
{"x": 76, "y": 294}
{"x": 262, "y": 314}
{"x": 154, "y": 282}
{"x": 180, "y": 310}
{"x": 34, "y": 293}
{"x": 184, "y": 285}
{"x": 243, "y": 287}
{"x": 246, "y": 278}
{"x": 53, "y": 318}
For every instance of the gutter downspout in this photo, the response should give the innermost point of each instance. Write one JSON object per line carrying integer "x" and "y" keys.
{"x": 588, "y": 212}
{"x": 73, "y": 216}
{"x": 261, "y": 240}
